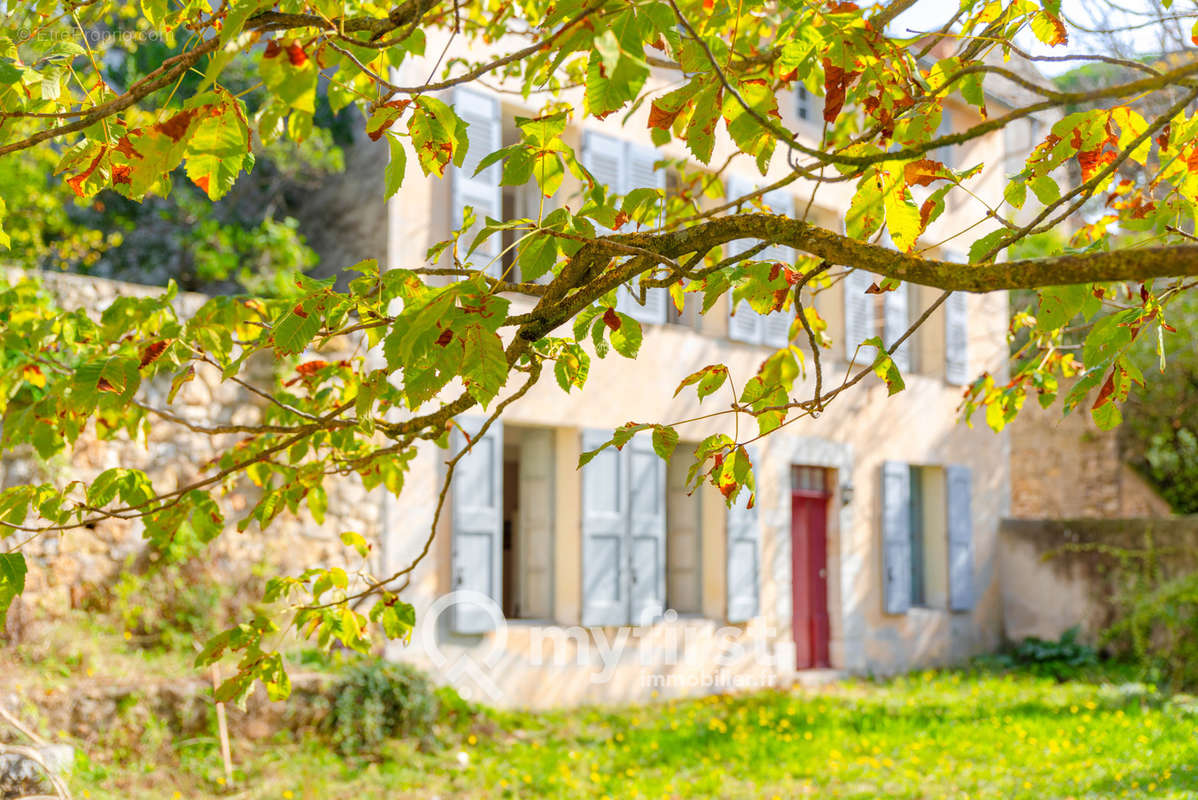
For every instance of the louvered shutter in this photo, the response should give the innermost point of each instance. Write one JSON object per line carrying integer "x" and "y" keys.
{"x": 647, "y": 531}
{"x": 744, "y": 570}
{"x": 859, "y": 322}
{"x": 603, "y": 157}
{"x": 896, "y": 536}
{"x": 604, "y": 527}
{"x": 960, "y": 538}
{"x": 639, "y": 173}
{"x": 956, "y": 339}
{"x": 477, "y": 523}
{"x": 481, "y": 191}
{"x": 776, "y": 331}
{"x": 895, "y": 322}
{"x": 744, "y": 324}
{"x": 776, "y": 327}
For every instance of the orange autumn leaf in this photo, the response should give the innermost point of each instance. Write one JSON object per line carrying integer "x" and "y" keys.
{"x": 924, "y": 172}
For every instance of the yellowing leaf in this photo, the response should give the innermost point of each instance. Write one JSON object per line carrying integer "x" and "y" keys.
{"x": 290, "y": 75}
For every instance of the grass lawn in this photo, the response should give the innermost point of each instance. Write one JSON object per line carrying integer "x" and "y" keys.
{"x": 928, "y": 735}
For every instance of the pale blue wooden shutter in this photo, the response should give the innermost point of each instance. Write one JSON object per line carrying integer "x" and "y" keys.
{"x": 647, "y": 531}
{"x": 744, "y": 324}
{"x": 776, "y": 326}
{"x": 604, "y": 534}
{"x": 603, "y": 157}
{"x": 640, "y": 173}
{"x": 960, "y": 538}
{"x": 859, "y": 322}
{"x": 956, "y": 339}
{"x": 623, "y": 167}
{"x": 482, "y": 191}
{"x": 477, "y": 523}
{"x": 896, "y": 536}
{"x": 744, "y": 560}
{"x": 895, "y": 317}
{"x": 944, "y": 154}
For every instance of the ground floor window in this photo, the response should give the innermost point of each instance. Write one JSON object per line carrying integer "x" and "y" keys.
{"x": 927, "y": 537}
{"x": 684, "y": 530}
{"x": 528, "y": 502}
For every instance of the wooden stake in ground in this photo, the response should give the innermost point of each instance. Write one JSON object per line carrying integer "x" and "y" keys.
{"x": 222, "y": 727}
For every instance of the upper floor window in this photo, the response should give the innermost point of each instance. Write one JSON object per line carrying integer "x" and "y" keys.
{"x": 744, "y": 323}
{"x": 623, "y": 166}
{"x": 806, "y": 108}
{"x": 956, "y": 331}
{"x": 482, "y": 191}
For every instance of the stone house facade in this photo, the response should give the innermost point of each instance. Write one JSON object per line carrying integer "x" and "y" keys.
{"x": 871, "y": 548}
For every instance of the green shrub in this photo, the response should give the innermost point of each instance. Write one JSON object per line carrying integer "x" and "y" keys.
{"x": 1063, "y": 659}
{"x": 379, "y": 700}
{"x": 170, "y": 605}
{"x": 1158, "y": 628}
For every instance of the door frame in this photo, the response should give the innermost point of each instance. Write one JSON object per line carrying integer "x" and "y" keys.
{"x": 825, "y": 496}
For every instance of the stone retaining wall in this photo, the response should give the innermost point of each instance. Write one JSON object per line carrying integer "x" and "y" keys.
{"x": 63, "y": 566}
{"x": 1055, "y": 574}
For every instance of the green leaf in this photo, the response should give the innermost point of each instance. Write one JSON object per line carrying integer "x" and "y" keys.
{"x": 396, "y": 617}
{"x": 665, "y": 439}
{"x": 357, "y": 541}
{"x": 571, "y": 366}
{"x": 290, "y": 75}
{"x": 295, "y": 329}
{"x": 219, "y": 147}
{"x": 538, "y": 254}
{"x": 985, "y": 244}
{"x": 701, "y": 127}
{"x": 12, "y": 581}
{"x": 484, "y": 365}
{"x": 610, "y": 88}
{"x": 710, "y": 378}
{"x": 186, "y": 376}
{"x": 393, "y": 173}
{"x": 885, "y": 368}
{"x": 1060, "y": 304}
{"x": 627, "y": 338}
{"x": 1107, "y": 416}
{"x": 1046, "y": 189}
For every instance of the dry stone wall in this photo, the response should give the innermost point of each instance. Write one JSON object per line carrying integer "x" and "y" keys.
{"x": 62, "y": 566}
{"x": 1065, "y": 467}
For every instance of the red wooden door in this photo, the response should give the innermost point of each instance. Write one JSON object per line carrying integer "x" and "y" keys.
{"x": 809, "y": 577}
